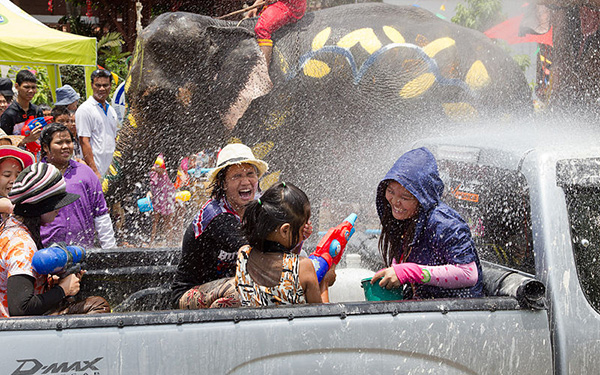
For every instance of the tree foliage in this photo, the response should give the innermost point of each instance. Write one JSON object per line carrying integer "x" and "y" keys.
{"x": 111, "y": 55}
{"x": 110, "y": 51}
{"x": 479, "y": 14}
{"x": 482, "y": 15}
{"x": 44, "y": 94}
{"x": 74, "y": 75}
{"x": 78, "y": 26}
{"x": 206, "y": 7}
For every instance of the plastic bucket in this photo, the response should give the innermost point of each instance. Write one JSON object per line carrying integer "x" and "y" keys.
{"x": 373, "y": 292}
{"x": 144, "y": 204}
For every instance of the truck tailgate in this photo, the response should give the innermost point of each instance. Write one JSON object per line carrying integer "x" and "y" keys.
{"x": 478, "y": 336}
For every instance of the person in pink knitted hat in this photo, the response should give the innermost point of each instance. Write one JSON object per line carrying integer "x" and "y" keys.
{"x": 38, "y": 193}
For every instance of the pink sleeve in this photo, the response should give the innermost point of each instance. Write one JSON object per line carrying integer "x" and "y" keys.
{"x": 451, "y": 276}
{"x": 408, "y": 272}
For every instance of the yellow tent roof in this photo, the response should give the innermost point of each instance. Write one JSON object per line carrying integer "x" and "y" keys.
{"x": 25, "y": 40}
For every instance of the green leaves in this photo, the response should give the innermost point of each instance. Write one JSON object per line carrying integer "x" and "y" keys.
{"x": 111, "y": 55}
{"x": 479, "y": 14}
{"x": 109, "y": 41}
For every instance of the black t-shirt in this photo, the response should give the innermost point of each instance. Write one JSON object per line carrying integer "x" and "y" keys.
{"x": 14, "y": 114}
{"x": 209, "y": 257}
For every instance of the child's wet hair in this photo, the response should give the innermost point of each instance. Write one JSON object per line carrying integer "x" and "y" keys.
{"x": 281, "y": 203}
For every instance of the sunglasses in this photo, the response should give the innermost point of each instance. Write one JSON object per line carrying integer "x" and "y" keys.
{"x": 101, "y": 73}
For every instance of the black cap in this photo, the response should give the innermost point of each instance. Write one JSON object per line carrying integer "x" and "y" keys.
{"x": 6, "y": 86}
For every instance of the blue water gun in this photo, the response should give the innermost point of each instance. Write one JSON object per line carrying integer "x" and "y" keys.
{"x": 58, "y": 259}
{"x": 330, "y": 249}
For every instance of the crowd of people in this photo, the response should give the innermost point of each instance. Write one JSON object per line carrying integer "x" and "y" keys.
{"x": 243, "y": 246}
{"x": 53, "y": 194}
{"x": 53, "y": 159}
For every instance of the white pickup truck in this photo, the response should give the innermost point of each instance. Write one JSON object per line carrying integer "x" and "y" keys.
{"x": 533, "y": 203}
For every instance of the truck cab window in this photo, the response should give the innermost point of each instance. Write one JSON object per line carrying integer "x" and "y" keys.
{"x": 580, "y": 180}
{"x": 495, "y": 204}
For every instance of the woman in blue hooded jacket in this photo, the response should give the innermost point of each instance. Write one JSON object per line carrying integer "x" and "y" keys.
{"x": 423, "y": 241}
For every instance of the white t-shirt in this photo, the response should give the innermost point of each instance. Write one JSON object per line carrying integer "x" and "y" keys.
{"x": 101, "y": 127}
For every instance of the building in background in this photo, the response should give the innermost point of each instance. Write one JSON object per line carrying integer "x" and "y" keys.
{"x": 60, "y": 8}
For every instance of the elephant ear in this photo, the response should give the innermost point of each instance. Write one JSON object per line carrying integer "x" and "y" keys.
{"x": 238, "y": 70}
{"x": 228, "y": 47}
{"x": 225, "y": 37}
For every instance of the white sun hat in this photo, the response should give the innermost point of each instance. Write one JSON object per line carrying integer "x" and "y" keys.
{"x": 237, "y": 153}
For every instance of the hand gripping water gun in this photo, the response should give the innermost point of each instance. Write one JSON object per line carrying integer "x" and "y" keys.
{"x": 330, "y": 249}
{"x": 58, "y": 259}
{"x": 31, "y": 124}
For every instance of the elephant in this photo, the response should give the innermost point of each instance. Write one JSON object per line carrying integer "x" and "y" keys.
{"x": 345, "y": 88}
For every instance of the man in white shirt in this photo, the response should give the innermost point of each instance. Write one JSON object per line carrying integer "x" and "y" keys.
{"x": 96, "y": 123}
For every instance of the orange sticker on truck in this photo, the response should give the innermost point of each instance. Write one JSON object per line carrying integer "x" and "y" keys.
{"x": 464, "y": 196}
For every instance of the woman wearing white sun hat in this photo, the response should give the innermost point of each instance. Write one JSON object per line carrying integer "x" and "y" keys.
{"x": 211, "y": 242}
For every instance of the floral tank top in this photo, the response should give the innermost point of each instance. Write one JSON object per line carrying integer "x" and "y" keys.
{"x": 16, "y": 252}
{"x": 287, "y": 292}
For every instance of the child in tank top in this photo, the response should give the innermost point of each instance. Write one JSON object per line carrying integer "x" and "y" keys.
{"x": 269, "y": 270}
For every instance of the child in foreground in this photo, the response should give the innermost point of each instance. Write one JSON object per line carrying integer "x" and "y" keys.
{"x": 423, "y": 241}
{"x": 38, "y": 194}
{"x": 269, "y": 270}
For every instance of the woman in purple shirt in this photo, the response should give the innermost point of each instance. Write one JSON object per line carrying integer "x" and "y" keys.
{"x": 77, "y": 223}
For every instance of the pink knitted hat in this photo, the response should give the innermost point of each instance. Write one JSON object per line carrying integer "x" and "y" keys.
{"x": 39, "y": 188}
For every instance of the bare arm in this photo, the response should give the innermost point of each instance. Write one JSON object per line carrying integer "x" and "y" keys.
{"x": 88, "y": 155}
{"x": 257, "y": 4}
{"x": 309, "y": 281}
{"x": 6, "y": 206}
{"x": 32, "y": 137}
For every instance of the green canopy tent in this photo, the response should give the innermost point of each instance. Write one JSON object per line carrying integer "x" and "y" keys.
{"x": 26, "y": 41}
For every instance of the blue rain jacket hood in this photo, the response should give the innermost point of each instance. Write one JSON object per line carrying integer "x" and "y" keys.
{"x": 417, "y": 171}
{"x": 441, "y": 235}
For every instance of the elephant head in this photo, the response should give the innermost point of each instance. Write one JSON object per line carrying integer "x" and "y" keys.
{"x": 192, "y": 77}
{"x": 198, "y": 64}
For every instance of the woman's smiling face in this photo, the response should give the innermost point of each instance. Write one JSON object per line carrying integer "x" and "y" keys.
{"x": 404, "y": 205}
{"x": 9, "y": 170}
